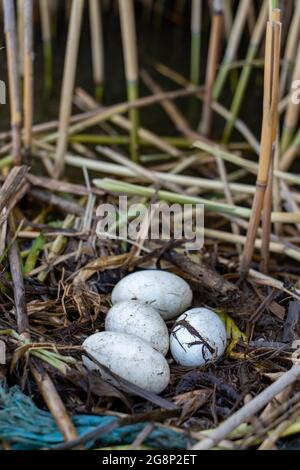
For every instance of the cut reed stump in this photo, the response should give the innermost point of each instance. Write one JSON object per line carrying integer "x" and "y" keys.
{"x": 269, "y": 132}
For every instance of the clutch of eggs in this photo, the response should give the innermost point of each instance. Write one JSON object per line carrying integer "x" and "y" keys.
{"x": 198, "y": 337}
{"x": 167, "y": 293}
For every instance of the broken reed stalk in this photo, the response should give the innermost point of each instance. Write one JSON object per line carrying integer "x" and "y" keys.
{"x": 68, "y": 84}
{"x": 13, "y": 78}
{"x": 43, "y": 380}
{"x": 246, "y": 72}
{"x": 292, "y": 114}
{"x": 97, "y": 47}
{"x": 290, "y": 50}
{"x": 196, "y": 19}
{"x": 129, "y": 39}
{"x": 268, "y": 201}
{"x": 211, "y": 68}
{"x": 232, "y": 46}
{"x": 269, "y": 131}
{"x": 47, "y": 45}
{"x": 28, "y": 74}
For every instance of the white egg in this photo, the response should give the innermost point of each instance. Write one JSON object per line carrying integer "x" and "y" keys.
{"x": 197, "y": 337}
{"x": 140, "y": 320}
{"x": 167, "y": 293}
{"x": 129, "y": 357}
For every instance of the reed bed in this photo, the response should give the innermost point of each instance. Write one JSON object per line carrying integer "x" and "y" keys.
{"x": 98, "y": 107}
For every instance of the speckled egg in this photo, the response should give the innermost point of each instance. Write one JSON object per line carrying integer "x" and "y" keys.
{"x": 198, "y": 337}
{"x": 167, "y": 293}
{"x": 140, "y": 320}
{"x": 129, "y": 357}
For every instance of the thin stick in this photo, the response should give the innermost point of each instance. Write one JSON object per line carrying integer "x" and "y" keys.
{"x": 233, "y": 43}
{"x": 196, "y": 19}
{"x": 249, "y": 410}
{"x": 97, "y": 47}
{"x": 211, "y": 69}
{"x": 68, "y": 84}
{"x": 47, "y": 45}
{"x": 13, "y": 78}
{"x": 269, "y": 130}
{"x": 28, "y": 74}
{"x": 127, "y": 18}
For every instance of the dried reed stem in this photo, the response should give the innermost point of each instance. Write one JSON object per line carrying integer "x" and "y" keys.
{"x": 196, "y": 19}
{"x": 292, "y": 115}
{"x": 20, "y": 28}
{"x": 44, "y": 382}
{"x": 13, "y": 78}
{"x": 232, "y": 46}
{"x": 28, "y": 74}
{"x": 97, "y": 47}
{"x": 211, "y": 69}
{"x": 127, "y": 18}
{"x": 245, "y": 76}
{"x": 269, "y": 131}
{"x": 68, "y": 84}
{"x": 290, "y": 50}
{"x": 47, "y": 44}
{"x": 228, "y": 17}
